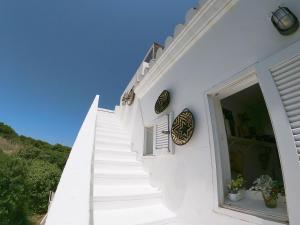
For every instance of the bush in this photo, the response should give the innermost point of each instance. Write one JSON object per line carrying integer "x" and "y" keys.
{"x": 56, "y": 157}
{"x": 28, "y": 172}
{"x": 42, "y": 178}
{"x": 13, "y": 192}
{"x": 7, "y": 132}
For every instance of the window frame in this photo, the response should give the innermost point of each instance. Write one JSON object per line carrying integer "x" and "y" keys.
{"x": 219, "y": 146}
{"x": 145, "y": 154}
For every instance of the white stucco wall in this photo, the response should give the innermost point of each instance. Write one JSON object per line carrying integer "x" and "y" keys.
{"x": 243, "y": 37}
{"x": 71, "y": 203}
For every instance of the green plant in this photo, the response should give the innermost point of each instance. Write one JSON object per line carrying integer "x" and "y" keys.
{"x": 7, "y": 132}
{"x": 42, "y": 178}
{"x": 29, "y": 170}
{"x": 236, "y": 184}
{"x": 270, "y": 188}
{"x": 55, "y": 156}
{"x": 13, "y": 191}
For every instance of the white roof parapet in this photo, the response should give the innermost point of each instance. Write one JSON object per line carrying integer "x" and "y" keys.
{"x": 199, "y": 11}
{"x": 159, "y": 53}
{"x": 178, "y": 29}
{"x": 198, "y": 21}
{"x": 190, "y": 14}
{"x": 159, "y": 50}
{"x": 148, "y": 61}
{"x": 168, "y": 41}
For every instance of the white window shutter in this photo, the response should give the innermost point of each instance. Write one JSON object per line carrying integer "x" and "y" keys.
{"x": 287, "y": 80}
{"x": 162, "y": 135}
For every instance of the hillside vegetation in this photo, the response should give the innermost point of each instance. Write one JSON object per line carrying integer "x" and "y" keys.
{"x": 29, "y": 170}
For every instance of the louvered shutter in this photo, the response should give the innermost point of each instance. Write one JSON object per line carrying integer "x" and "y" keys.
{"x": 162, "y": 136}
{"x": 287, "y": 80}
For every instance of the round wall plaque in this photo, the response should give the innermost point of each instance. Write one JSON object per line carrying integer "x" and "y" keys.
{"x": 124, "y": 98}
{"x": 162, "y": 102}
{"x": 130, "y": 97}
{"x": 183, "y": 127}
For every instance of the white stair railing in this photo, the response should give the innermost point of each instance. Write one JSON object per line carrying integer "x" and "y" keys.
{"x": 71, "y": 204}
{"x": 51, "y": 196}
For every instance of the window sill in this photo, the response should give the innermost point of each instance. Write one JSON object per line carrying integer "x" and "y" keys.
{"x": 158, "y": 155}
{"x": 148, "y": 156}
{"x": 252, "y": 205}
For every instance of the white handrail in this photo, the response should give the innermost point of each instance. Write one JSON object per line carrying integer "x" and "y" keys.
{"x": 51, "y": 196}
{"x": 71, "y": 204}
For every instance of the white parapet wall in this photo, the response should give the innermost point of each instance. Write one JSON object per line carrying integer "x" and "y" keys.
{"x": 71, "y": 204}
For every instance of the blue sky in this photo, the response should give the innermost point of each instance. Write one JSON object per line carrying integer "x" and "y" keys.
{"x": 56, "y": 55}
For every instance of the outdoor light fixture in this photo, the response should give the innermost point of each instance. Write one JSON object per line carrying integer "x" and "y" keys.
{"x": 285, "y": 21}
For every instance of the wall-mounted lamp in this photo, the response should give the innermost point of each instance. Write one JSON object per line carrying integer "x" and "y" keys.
{"x": 285, "y": 21}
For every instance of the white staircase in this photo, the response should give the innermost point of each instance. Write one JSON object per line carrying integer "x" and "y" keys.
{"x": 122, "y": 194}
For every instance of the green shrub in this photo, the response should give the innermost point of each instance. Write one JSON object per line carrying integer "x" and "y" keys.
{"x": 29, "y": 170}
{"x": 13, "y": 192}
{"x": 56, "y": 157}
{"x": 42, "y": 177}
{"x": 7, "y": 132}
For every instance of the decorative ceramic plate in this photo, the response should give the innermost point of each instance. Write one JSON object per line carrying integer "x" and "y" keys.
{"x": 124, "y": 98}
{"x": 162, "y": 102}
{"x": 183, "y": 127}
{"x": 130, "y": 97}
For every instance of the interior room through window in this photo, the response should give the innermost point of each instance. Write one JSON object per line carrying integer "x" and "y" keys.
{"x": 252, "y": 149}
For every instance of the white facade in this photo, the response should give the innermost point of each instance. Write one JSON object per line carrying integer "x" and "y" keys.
{"x": 224, "y": 41}
{"x": 223, "y": 45}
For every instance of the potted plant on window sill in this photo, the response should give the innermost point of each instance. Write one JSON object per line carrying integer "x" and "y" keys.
{"x": 269, "y": 188}
{"x": 235, "y": 188}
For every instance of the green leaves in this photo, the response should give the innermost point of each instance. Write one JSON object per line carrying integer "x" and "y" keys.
{"x": 13, "y": 191}
{"x": 269, "y": 187}
{"x": 42, "y": 177}
{"x": 31, "y": 169}
{"x": 236, "y": 184}
{"x": 7, "y": 132}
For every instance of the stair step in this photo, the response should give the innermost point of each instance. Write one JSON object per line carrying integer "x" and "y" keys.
{"x": 121, "y": 191}
{"x": 117, "y": 166}
{"x": 114, "y": 161}
{"x": 110, "y": 130}
{"x": 117, "y": 146}
{"x": 112, "y": 136}
{"x": 110, "y": 125}
{"x": 106, "y": 148}
{"x": 148, "y": 215}
{"x": 108, "y": 119}
{"x": 113, "y": 148}
{"x": 112, "y": 197}
{"x": 113, "y": 141}
{"x": 122, "y": 194}
{"x": 101, "y": 130}
{"x": 107, "y": 116}
{"x": 118, "y": 178}
{"x": 109, "y": 154}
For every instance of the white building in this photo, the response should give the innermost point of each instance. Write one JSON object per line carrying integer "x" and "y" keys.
{"x": 240, "y": 78}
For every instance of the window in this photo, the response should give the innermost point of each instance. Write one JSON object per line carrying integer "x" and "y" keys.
{"x": 157, "y": 139}
{"x": 162, "y": 142}
{"x": 148, "y": 141}
{"x": 246, "y": 146}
